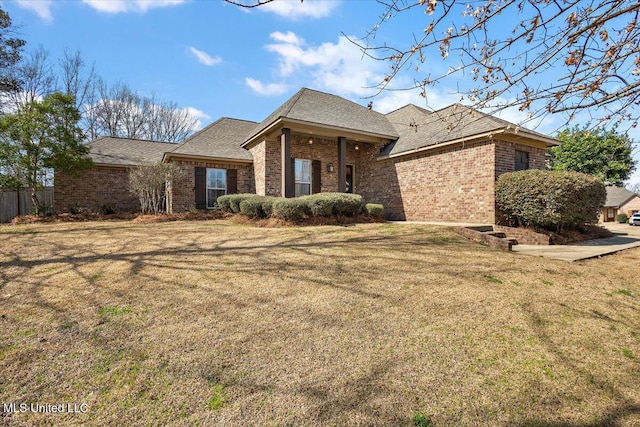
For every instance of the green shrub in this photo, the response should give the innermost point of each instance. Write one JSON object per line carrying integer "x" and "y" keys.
{"x": 224, "y": 202}
{"x": 622, "y": 218}
{"x": 320, "y": 204}
{"x": 341, "y": 203}
{"x": 549, "y": 199}
{"x": 235, "y": 199}
{"x": 267, "y": 205}
{"x": 252, "y": 207}
{"x": 291, "y": 209}
{"x": 373, "y": 210}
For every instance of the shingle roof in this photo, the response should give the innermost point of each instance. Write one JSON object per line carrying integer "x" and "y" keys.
{"x": 322, "y": 108}
{"x": 221, "y": 139}
{"x": 420, "y": 128}
{"x": 618, "y": 196}
{"x": 127, "y": 152}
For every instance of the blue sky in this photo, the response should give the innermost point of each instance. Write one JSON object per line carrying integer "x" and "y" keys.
{"x": 220, "y": 60}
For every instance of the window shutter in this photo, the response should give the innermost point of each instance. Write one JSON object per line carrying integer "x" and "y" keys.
{"x": 316, "y": 173}
{"x": 232, "y": 181}
{"x": 201, "y": 188}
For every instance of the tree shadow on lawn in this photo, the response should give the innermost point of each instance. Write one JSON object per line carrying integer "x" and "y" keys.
{"x": 615, "y": 416}
{"x": 612, "y": 418}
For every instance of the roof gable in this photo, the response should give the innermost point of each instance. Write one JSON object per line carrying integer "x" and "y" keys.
{"x": 418, "y": 128}
{"x": 221, "y": 139}
{"x": 324, "y": 109}
{"x": 618, "y": 196}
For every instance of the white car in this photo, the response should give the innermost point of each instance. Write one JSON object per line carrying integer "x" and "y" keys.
{"x": 635, "y": 219}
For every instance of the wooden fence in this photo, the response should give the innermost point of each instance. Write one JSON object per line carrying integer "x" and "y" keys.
{"x": 14, "y": 203}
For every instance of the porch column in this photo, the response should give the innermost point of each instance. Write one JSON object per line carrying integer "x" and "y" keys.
{"x": 342, "y": 164}
{"x": 288, "y": 183}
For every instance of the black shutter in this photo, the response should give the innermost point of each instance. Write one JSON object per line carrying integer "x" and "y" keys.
{"x": 316, "y": 173}
{"x": 232, "y": 181}
{"x": 201, "y": 188}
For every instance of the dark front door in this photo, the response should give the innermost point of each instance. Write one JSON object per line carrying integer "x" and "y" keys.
{"x": 349, "y": 179}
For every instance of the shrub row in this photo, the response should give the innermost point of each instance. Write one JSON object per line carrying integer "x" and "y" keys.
{"x": 549, "y": 199}
{"x": 292, "y": 209}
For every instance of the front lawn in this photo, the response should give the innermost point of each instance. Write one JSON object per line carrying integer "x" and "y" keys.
{"x": 214, "y": 323}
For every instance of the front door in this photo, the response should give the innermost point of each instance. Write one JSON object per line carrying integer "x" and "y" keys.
{"x": 349, "y": 179}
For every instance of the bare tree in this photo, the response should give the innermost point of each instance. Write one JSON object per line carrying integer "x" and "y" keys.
{"x": 150, "y": 182}
{"x": 635, "y": 187}
{"x": 80, "y": 81}
{"x": 564, "y": 56}
{"x": 36, "y": 79}
{"x": 122, "y": 112}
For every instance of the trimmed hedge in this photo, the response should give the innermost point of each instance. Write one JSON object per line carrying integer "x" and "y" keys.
{"x": 622, "y": 218}
{"x": 374, "y": 210}
{"x": 236, "y": 199}
{"x": 291, "y": 209}
{"x": 252, "y": 207}
{"x": 549, "y": 199}
{"x": 224, "y": 202}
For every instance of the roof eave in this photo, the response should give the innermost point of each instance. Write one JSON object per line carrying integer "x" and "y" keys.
{"x": 286, "y": 120}
{"x": 168, "y": 156}
{"x": 483, "y": 136}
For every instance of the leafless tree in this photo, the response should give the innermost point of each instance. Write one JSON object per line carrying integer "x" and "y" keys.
{"x": 36, "y": 79}
{"x": 635, "y": 187}
{"x": 79, "y": 80}
{"x": 542, "y": 56}
{"x": 150, "y": 182}
{"x": 122, "y": 112}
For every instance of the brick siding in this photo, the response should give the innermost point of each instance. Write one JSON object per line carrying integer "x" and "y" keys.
{"x": 96, "y": 187}
{"x": 323, "y": 148}
{"x": 524, "y": 236}
{"x": 183, "y": 191}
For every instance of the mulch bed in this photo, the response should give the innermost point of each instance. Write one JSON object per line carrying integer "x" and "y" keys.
{"x": 588, "y": 232}
{"x": 139, "y": 218}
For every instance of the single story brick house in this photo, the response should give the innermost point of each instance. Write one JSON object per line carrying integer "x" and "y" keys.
{"x": 421, "y": 165}
{"x": 619, "y": 201}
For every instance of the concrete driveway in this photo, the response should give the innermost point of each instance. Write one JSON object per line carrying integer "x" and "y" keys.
{"x": 626, "y": 237}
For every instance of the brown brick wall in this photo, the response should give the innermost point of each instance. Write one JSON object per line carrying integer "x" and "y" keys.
{"x": 323, "y": 148}
{"x": 524, "y": 236}
{"x": 96, "y": 187}
{"x": 506, "y": 156}
{"x": 183, "y": 191}
{"x": 452, "y": 184}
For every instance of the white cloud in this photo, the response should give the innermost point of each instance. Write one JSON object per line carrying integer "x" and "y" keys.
{"x": 199, "y": 115}
{"x": 42, "y": 8}
{"x": 294, "y": 9}
{"x": 266, "y": 89}
{"x": 204, "y": 58}
{"x": 336, "y": 67}
{"x": 122, "y": 6}
{"x": 289, "y": 37}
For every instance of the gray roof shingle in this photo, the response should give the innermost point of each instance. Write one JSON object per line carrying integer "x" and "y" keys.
{"x": 127, "y": 152}
{"x": 221, "y": 139}
{"x": 419, "y": 128}
{"x": 321, "y": 108}
{"x": 618, "y": 196}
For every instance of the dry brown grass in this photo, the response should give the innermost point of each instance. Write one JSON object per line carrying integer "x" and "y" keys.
{"x": 214, "y": 323}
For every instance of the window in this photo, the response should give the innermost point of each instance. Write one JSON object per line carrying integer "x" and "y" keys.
{"x": 303, "y": 177}
{"x": 216, "y": 186}
{"x": 522, "y": 160}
